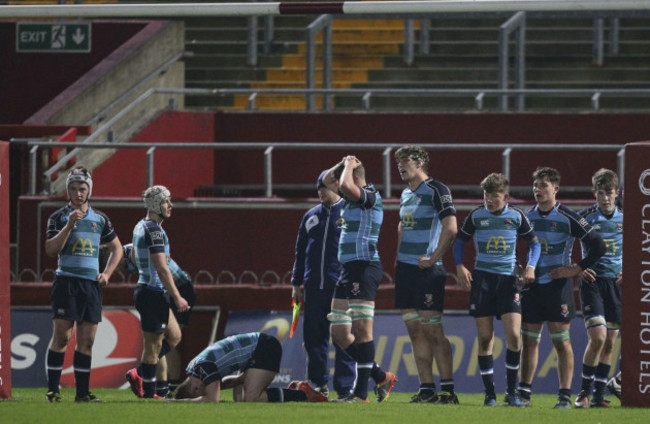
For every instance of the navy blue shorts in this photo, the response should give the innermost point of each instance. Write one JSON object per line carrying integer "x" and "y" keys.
{"x": 602, "y": 297}
{"x": 76, "y": 299}
{"x": 359, "y": 281}
{"x": 268, "y": 354}
{"x": 153, "y": 307}
{"x": 493, "y": 295}
{"x": 187, "y": 292}
{"x": 552, "y": 302}
{"x": 420, "y": 289}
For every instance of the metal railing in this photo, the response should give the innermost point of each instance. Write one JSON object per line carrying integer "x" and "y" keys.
{"x": 386, "y": 150}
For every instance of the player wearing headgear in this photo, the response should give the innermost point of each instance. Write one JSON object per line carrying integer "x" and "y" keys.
{"x": 169, "y": 371}
{"x": 154, "y": 289}
{"x": 353, "y": 305}
{"x": 74, "y": 234}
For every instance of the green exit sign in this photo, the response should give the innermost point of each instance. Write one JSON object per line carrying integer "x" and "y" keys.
{"x": 59, "y": 37}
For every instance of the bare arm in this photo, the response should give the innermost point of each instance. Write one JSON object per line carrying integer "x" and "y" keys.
{"x": 399, "y": 239}
{"x": 348, "y": 187}
{"x": 54, "y": 245}
{"x": 160, "y": 263}
{"x": 447, "y": 238}
{"x": 114, "y": 258}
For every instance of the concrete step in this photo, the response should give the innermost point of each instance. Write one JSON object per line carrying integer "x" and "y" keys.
{"x": 276, "y": 102}
{"x": 249, "y": 74}
{"x": 231, "y": 61}
{"x": 338, "y": 61}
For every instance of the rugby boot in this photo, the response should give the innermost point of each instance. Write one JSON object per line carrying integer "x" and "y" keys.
{"x": 563, "y": 402}
{"x": 582, "y": 401}
{"x": 53, "y": 397}
{"x": 424, "y": 397}
{"x": 135, "y": 381}
{"x": 599, "y": 403}
{"x": 490, "y": 400}
{"x": 382, "y": 390}
{"x": 513, "y": 399}
{"x": 88, "y": 398}
{"x": 614, "y": 386}
{"x": 446, "y": 398}
{"x": 312, "y": 395}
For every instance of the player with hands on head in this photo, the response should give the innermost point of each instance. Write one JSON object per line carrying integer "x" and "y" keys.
{"x": 550, "y": 298}
{"x": 74, "y": 234}
{"x": 495, "y": 226}
{"x": 155, "y": 287}
{"x": 600, "y": 290}
{"x": 353, "y": 305}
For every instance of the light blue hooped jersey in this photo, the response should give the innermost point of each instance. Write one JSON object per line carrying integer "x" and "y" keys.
{"x": 556, "y": 231}
{"x": 149, "y": 237}
{"x": 360, "y": 223}
{"x": 611, "y": 230}
{"x": 495, "y": 237}
{"x": 421, "y": 212}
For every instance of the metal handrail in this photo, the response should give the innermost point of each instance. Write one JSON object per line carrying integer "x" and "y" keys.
{"x": 322, "y": 23}
{"x": 385, "y": 149}
{"x": 515, "y": 25}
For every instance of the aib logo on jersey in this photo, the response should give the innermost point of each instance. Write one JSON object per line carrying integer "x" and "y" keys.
{"x": 496, "y": 245}
{"x": 117, "y": 348}
{"x": 83, "y": 247}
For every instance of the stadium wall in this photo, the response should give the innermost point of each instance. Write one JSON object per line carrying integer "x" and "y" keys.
{"x": 61, "y": 69}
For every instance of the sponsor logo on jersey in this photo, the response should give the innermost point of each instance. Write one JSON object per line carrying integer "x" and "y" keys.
{"x": 496, "y": 245}
{"x": 83, "y": 247}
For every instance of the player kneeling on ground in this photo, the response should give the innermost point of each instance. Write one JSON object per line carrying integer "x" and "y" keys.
{"x": 247, "y": 363}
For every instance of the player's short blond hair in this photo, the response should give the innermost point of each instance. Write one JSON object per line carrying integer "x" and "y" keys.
{"x": 495, "y": 183}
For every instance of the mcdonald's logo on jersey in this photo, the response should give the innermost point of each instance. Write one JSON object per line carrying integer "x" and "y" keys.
{"x": 408, "y": 221}
{"x": 83, "y": 247}
{"x": 496, "y": 245}
{"x": 610, "y": 244}
{"x": 544, "y": 245}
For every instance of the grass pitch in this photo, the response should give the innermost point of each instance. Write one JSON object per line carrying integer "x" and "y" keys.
{"x": 29, "y": 406}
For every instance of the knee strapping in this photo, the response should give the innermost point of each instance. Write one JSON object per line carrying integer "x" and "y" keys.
{"x": 560, "y": 335}
{"x": 360, "y": 311}
{"x": 410, "y": 316}
{"x": 531, "y": 334}
{"x": 613, "y": 326}
{"x": 337, "y": 317}
{"x": 595, "y": 321}
{"x": 434, "y": 320}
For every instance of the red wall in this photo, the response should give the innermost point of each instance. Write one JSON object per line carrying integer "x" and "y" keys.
{"x": 453, "y": 167}
{"x": 31, "y": 80}
{"x": 125, "y": 173}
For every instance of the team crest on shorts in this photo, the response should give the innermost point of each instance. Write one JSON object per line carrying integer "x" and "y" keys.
{"x": 517, "y": 299}
{"x": 564, "y": 310}
{"x": 356, "y": 289}
{"x": 428, "y": 299}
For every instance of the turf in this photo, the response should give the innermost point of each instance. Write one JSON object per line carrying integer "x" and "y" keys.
{"x": 29, "y": 406}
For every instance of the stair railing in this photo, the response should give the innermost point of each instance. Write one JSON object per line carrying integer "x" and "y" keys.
{"x": 322, "y": 23}
{"x": 515, "y": 25}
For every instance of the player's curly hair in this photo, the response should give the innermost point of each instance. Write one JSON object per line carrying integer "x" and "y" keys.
{"x": 183, "y": 390}
{"x": 414, "y": 152}
{"x": 552, "y": 174}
